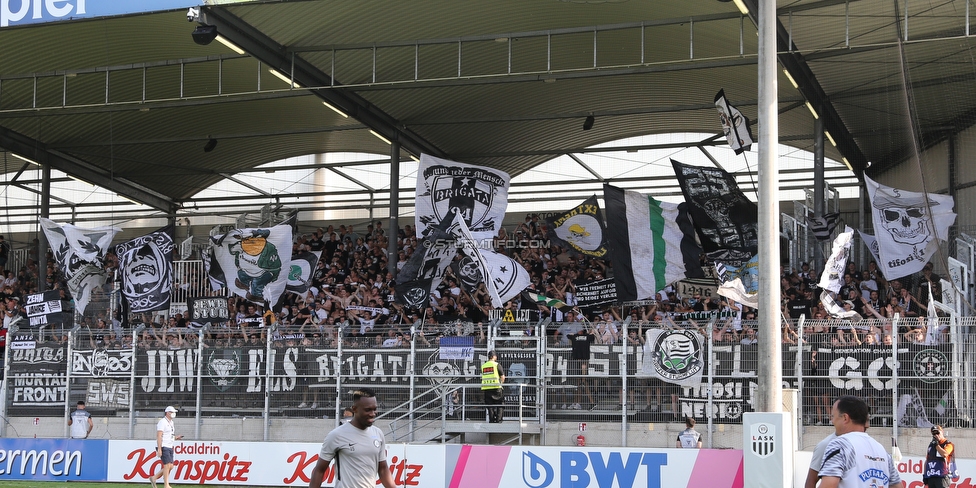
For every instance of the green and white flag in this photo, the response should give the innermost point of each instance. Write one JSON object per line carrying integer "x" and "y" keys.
{"x": 652, "y": 243}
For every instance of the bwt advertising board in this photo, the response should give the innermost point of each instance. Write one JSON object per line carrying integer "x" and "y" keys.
{"x": 449, "y": 466}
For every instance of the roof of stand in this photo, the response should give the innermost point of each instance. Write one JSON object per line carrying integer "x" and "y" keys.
{"x": 128, "y": 103}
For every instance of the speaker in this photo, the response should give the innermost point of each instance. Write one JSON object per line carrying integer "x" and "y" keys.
{"x": 204, "y": 34}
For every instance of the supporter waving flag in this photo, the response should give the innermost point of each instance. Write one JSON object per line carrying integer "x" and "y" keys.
{"x": 652, "y": 243}
{"x": 734, "y": 124}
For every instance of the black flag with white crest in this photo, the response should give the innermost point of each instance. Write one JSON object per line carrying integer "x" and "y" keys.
{"x": 581, "y": 229}
{"x": 726, "y": 221}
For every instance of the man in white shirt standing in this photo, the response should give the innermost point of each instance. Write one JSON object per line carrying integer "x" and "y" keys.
{"x": 357, "y": 447}
{"x": 854, "y": 459}
{"x": 80, "y": 422}
{"x": 165, "y": 435}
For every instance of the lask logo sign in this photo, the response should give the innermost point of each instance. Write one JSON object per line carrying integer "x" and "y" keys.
{"x": 763, "y": 439}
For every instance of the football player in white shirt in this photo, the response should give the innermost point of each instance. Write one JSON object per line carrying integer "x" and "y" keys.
{"x": 854, "y": 459}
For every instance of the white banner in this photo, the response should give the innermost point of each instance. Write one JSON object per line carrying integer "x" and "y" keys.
{"x": 478, "y": 194}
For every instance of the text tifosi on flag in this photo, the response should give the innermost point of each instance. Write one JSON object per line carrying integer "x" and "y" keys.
{"x": 726, "y": 221}
{"x": 651, "y": 242}
{"x": 907, "y": 226}
{"x": 146, "y": 268}
{"x": 79, "y": 253}
{"x": 478, "y": 194}
{"x": 580, "y": 229}
{"x": 734, "y": 124}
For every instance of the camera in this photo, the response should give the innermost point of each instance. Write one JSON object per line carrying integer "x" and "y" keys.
{"x": 192, "y": 14}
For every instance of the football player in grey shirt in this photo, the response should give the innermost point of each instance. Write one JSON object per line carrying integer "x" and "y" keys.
{"x": 357, "y": 447}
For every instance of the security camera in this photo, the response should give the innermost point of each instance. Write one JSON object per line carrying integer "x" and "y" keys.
{"x": 192, "y": 14}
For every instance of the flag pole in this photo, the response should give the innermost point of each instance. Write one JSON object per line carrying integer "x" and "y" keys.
{"x": 770, "y": 393}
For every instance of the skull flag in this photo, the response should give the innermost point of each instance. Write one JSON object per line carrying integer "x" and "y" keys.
{"x": 79, "y": 253}
{"x": 146, "y": 265}
{"x": 580, "y": 229}
{"x": 906, "y": 225}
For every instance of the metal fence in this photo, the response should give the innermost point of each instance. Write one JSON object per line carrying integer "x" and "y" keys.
{"x": 426, "y": 375}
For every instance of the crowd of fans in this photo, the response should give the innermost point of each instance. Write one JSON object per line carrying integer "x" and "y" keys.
{"x": 351, "y": 298}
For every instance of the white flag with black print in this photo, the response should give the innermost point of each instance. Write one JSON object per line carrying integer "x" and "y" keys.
{"x": 473, "y": 268}
{"x": 734, "y": 124}
{"x": 908, "y": 226}
{"x": 254, "y": 261}
{"x": 832, "y": 277}
{"x": 478, "y": 194}
{"x": 79, "y": 253}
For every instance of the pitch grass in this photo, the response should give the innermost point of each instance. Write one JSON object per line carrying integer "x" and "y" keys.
{"x": 87, "y": 484}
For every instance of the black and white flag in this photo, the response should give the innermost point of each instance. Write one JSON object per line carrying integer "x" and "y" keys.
{"x": 823, "y": 227}
{"x": 300, "y": 271}
{"x": 478, "y": 194}
{"x": 726, "y": 221}
{"x": 79, "y": 253}
{"x": 734, "y": 124}
{"x": 581, "y": 229}
{"x": 473, "y": 267}
{"x": 146, "y": 268}
{"x": 426, "y": 267}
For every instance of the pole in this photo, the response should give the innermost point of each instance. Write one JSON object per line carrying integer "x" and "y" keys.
{"x": 770, "y": 391}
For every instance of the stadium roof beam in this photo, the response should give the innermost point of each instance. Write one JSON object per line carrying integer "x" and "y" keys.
{"x": 793, "y": 61}
{"x": 38, "y": 152}
{"x": 305, "y": 74}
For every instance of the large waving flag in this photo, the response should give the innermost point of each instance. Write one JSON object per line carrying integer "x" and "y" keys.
{"x": 252, "y": 261}
{"x": 503, "y": 276}
{"x": 580, "y": 229}
{"x": 508, "y": 277}
{"x": 473, "y": 268}
{"x": 146, "y": 267}
{"x": 479, "y": 194}
{"x": 426, "y": 267}
{"x": 79, "y": 253}
{"x": 832, "y": 277}
{"x": 652, "y": 243}
{"x": 823, "y": 227}
{"x": 907, "y": 227}
{"x": 734, "y": 124}
{"x": 726, "y": 221}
